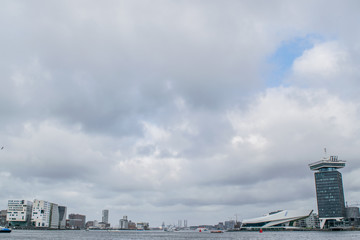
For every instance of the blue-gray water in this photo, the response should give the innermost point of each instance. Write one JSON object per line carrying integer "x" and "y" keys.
{"x": 54, "y": 235}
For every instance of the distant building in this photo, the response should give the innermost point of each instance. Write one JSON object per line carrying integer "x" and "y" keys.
{"x": 142, "y": 226}
{"x": 19, "y": 213}
{"x": 76, "y": 221}
{"x": 220, "y": 226}
{"x": 62, "y": 217}
{"x": 3, "y": 221}
{"x": 124, "y": 223}
{"x": 41, "y": 213}
{"x": 312, "y": 221}
{"x": 230, "y": 224}
{"x": 280, "y": 219}
{"x": 329, "y": 191}
{"x": 185, "y": 223}
{"x": 105, "y": 216}
{"x": 132, "y": 225}
{"x": 89, "y": 224}
{"x": 353, "y": 216}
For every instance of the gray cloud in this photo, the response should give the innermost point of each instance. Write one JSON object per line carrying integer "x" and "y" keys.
{"x": 161, "y": 110}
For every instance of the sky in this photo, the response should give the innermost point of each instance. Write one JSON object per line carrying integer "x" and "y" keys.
{"x": 171, "y": 110}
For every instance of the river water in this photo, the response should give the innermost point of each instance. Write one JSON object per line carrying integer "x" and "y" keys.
{"x": 98, "y": 235}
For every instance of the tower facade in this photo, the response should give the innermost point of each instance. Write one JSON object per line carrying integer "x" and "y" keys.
{"x": 105, "y": 216}
{"x": 329, "y": 189}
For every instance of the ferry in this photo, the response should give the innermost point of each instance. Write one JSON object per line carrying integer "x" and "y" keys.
{"x": 5, "y": 230}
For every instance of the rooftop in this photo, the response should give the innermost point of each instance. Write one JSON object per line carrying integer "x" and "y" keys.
{"x": 331, "y": 162}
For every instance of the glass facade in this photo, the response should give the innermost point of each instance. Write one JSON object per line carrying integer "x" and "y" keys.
{"x": 330, "y": 193}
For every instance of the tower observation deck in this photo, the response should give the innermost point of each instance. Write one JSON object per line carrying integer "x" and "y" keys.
{"x": 327, "y": 164}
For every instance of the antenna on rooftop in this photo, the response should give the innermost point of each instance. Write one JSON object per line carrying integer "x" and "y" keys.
{"x": 325, "y": 155}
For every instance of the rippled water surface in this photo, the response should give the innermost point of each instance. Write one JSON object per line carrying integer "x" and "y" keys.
{"x": 23, "y": 234}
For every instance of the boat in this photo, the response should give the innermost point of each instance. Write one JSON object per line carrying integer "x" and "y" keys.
{"x": 202, "y": 229}
{"x": 4, "y": 230}
{"x": 217, "y": 231}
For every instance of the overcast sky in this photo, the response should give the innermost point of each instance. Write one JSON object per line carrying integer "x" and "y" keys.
{"x": 168, "y": 110}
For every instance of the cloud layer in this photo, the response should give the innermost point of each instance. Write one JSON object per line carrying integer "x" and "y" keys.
{"x": 163, "y": 110}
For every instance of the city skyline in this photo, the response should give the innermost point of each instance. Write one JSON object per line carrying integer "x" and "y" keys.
{"x": 166, "y": 110}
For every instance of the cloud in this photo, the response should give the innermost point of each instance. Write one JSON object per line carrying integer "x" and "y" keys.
{"x": 160, "y": 110}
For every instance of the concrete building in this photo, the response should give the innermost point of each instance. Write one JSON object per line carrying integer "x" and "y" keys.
{"x": 3, "y": 221}
{"x": 62, "y": 217}
{"x": 124, "y": 223}
{"x": 76, "y": 221}
{"x": 329, "y": 191}
{"x": 19, "y": 213}
{"x": 54, "y": 216}
{"x": 105, "y": 216}
{"x": 41, "y": 213}
{"x": 352, "y": 216}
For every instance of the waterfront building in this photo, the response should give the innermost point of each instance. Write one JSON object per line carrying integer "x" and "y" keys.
{"x": 124, "y": 223}
{"x": 54, "y": 216}
{"x": 105, "y": 216}
{"x": 353, "y": 216}
{"x": 62, "y": 217}
{"x": 142, "y": 226}
{"x": 284, "y": 219}
{"x": 230, "y": 224}
{"x": 312, "y": 221}
{"x": 41, "y": 213}
{"x": 19, "y": 213}
{"x": 132, "y": 225}
{"x": 3, "y": 221}
{"x": 76, "y": 221}
{"x": 329, "y": 191}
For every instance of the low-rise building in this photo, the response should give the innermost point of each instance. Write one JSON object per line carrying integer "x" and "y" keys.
{"x": 77, "y": 221}
{"x": 142, "y": 226}
{"x": 19, "y": 213}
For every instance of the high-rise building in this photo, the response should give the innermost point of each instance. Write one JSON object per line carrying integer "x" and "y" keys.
{"x": 54, "y": 217}
{"x": 19, "y": 212}
{"x": 41, "y": 213}
{"x": 124, "y": 223}
{"x": 329, "y": 190}
{"x": 62, "y": 217}
{"x": 105, "y": 216}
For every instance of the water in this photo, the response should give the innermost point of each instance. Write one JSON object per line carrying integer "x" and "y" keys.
{"x": 154, "y": 235}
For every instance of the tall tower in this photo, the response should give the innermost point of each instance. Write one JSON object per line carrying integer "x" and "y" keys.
{"x": 329, "y": 189}
{"x": 105, "y": 216}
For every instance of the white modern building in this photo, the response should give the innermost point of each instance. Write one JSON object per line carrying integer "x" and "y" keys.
{"x": 41, "y": 213}
{"x": 19, "y": 212}
{"x": 277, "y": 219}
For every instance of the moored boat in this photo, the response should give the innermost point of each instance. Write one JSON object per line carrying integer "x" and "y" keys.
{"x": 5, "y": 230}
